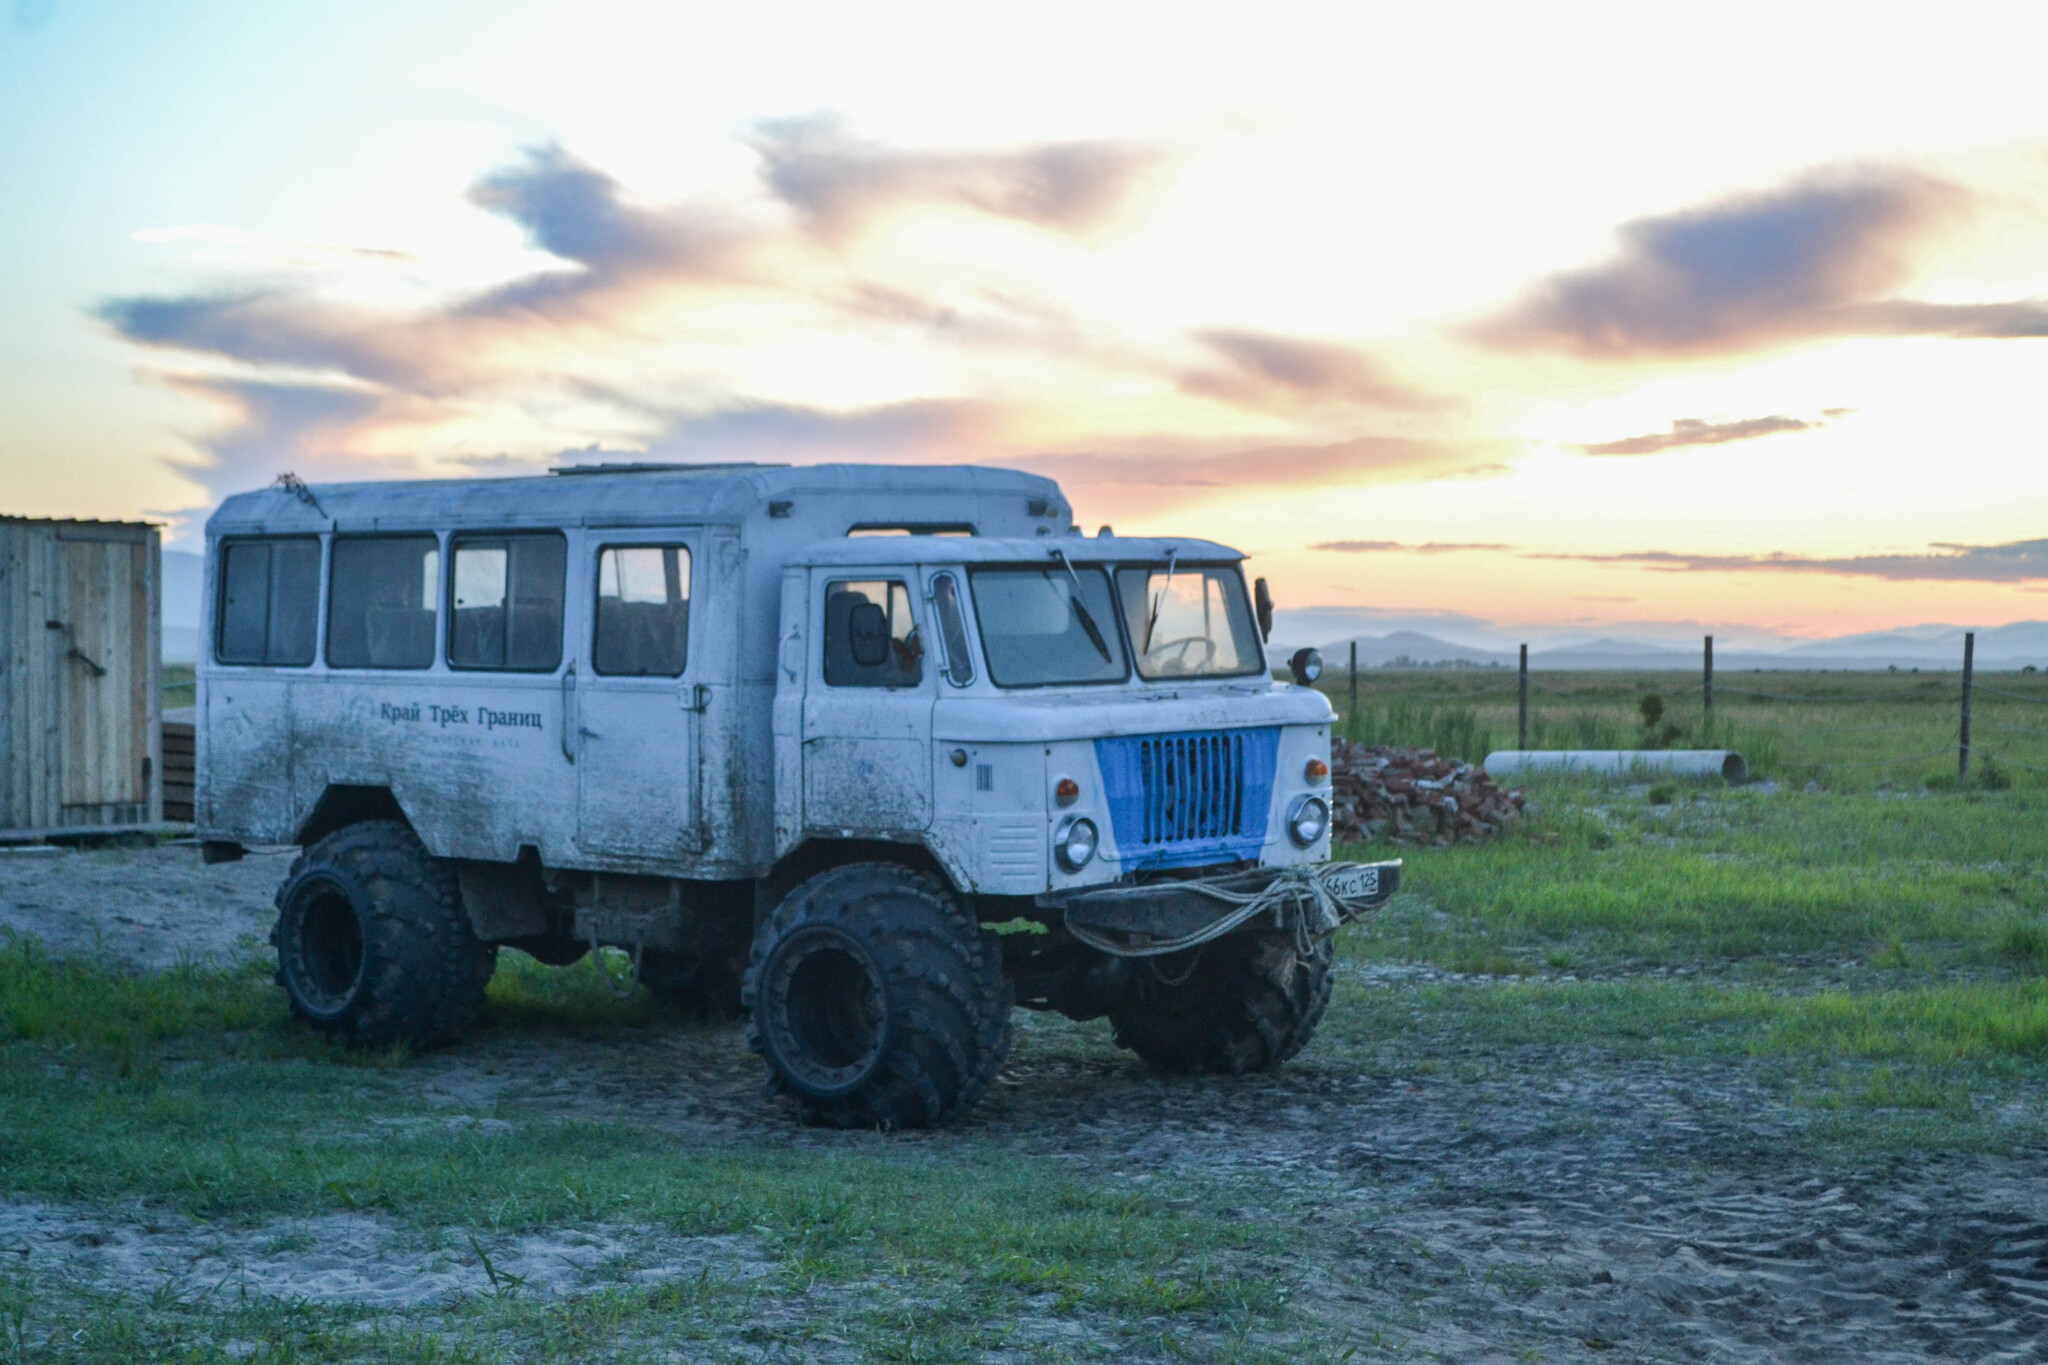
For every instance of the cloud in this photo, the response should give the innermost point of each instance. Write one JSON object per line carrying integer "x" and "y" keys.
{"x": 2018, "y": 561}
{"x": 274, "y": 427}
{"x": 1821, "y": 256}
{"x": 1691, "y": 431}
{"x": 1434, "y": 547}
{"x": 839, "y": 182}
{"x": 575, "y": 212}
{"x": 1265, "y": 367}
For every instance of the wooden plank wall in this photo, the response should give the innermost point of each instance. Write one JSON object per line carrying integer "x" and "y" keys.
{"x": 80, "y": 675}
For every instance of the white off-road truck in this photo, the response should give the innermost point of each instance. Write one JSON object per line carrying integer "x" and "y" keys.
{"x": 792, "y": 738}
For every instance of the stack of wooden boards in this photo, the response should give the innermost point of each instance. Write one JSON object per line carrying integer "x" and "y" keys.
{"x": 179, "y": 749}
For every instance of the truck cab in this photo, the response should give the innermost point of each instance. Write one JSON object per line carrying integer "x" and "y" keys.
{"x": 793, "y": 740}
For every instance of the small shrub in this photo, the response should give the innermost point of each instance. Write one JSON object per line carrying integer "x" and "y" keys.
{"x": 1652, "y": 707}
{"x": 1663, "y": 794}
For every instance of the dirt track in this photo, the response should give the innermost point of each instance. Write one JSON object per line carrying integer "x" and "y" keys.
{"x": 1475, "y": 1210}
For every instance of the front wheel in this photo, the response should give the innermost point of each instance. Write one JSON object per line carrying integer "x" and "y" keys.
{"x": 1246, "y": 1002}
{"x": 373, "y": 945}
{"x": 877, "y": 1000}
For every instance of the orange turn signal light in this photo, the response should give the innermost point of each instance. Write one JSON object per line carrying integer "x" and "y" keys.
{"x": 1067, "y": 792}
{"x": 1316, "y": 770}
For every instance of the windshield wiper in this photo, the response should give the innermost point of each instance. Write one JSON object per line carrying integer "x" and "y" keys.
{"x": 1081, "y": 610}
{"x": 1157, "y": 602}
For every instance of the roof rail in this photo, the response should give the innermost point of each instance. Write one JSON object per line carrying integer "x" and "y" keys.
{"x": 643, "y": 467}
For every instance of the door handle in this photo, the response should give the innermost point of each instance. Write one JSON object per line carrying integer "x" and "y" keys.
{"x": 570, "y": 721}
{"x": 696, "y": 697}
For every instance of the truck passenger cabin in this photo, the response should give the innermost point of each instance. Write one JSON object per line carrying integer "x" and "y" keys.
{"x": 788, "y": 737}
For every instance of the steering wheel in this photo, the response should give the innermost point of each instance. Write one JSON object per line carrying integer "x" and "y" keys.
{"x": 1179, "y": 663}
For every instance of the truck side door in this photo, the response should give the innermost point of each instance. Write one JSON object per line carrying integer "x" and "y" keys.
{"x": 867, "y": 709}
{"x": 635, "y": 708}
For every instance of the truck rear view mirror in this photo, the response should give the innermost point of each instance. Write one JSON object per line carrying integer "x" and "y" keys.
{"x": 867, "y": 629}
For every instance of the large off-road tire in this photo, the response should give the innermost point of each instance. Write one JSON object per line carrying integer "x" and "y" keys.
{"x": 1246, "y": 1002}
{"x": 703, "y": 985}
{"x": 878, "y": 1001}
{"x": 373, "y": 945}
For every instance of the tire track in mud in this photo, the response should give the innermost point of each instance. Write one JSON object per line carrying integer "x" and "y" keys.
{"x": 1654, "y": 1209}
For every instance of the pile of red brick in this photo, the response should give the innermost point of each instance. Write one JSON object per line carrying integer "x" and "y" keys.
{"x": 1412, "y": 796}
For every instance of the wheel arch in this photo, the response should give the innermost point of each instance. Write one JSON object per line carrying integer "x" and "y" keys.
{"x": 816, "y": 855}
{"x": 342, "y": 805}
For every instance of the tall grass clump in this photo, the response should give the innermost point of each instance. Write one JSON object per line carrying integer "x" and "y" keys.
{"x": 1455, "y": 730}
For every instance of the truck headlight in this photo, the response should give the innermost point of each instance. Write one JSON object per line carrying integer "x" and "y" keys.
{"x": 1307, "y": 820}
{"x": 1073, "y": 843}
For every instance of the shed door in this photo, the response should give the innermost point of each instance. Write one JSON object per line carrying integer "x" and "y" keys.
{"x": 101, "y": 636}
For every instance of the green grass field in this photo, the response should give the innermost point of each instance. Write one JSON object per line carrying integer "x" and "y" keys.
{"x": 1860, "y": 966}
{"x": 1846, "y": 731}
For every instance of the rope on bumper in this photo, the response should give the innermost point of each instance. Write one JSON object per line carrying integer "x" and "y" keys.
{"x": 1292, "y": 886}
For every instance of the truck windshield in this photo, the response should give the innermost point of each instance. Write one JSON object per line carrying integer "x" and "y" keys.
{"x": 1189, "y": 621}
{"x": 1049, "y": 625}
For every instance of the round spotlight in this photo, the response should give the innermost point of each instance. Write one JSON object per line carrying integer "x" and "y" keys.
{"x": 1306, "y": 665}
{"x": 1308, "y": 820}
{"x": 1073, "y": 843}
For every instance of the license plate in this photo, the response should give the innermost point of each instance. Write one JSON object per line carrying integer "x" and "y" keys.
{"x": 1352, "y": 883}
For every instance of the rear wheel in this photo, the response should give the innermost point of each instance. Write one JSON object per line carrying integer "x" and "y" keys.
{"x": 878, "y": 1001}
{"x": 373, "y": 945}
{"x": 1246, "y": 1002}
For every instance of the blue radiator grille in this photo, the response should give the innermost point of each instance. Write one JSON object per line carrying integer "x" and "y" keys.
{"x": 1186, "y": 799}
{"x": 1194, "y": 787}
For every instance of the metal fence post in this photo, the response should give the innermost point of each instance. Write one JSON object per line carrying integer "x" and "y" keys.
{"x": 1708, "y": 682}
{"x": 1522, "y": 703}
{"x": 1354, "y": 677}
{"x": 1969, "y": 670}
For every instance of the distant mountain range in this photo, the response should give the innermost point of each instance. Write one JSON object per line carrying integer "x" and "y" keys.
{"x": 1932, "y": 648}
{"x": 1447, "y": 638}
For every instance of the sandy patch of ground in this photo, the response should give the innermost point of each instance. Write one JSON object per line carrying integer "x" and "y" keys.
{"x": 352, "y": 1258}
{"x": 143, "y": 908}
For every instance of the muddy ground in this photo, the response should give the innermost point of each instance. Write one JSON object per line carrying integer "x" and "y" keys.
{"x": 1595, "y": 1208}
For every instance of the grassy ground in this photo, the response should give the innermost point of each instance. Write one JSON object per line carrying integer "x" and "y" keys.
{"x": 1843, "y": 984}
{"x": 180, "y": 689}
{"x": 1846, "y": 731}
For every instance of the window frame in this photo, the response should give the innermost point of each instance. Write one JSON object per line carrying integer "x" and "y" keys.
{"x": 334, "y": 542}
{"x": 1106, "y": 569}
{"x": 956, "y": 579}
{"x": 223, "y": 548}
{"x": 904, "y": 578}
{"x": 452, "y": 548}
{"x": 596, "y": 562}
{"x": 1148, "y": 567}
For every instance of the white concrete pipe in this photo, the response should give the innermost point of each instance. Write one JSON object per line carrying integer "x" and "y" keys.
{"x": 1621, "y": 762}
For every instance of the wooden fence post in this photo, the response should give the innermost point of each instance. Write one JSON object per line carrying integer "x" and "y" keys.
{"x": 1969, "y": 669}
{"x": 1354, "y": 677}
{"x": 1709, "y": 682}
{"x": 1522, "y": 703}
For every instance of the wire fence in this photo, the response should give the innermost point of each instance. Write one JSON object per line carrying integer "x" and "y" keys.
{"x": 1837, "y": 727}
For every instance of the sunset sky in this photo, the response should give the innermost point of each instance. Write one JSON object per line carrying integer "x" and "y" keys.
{"x": 1570, "y": 316}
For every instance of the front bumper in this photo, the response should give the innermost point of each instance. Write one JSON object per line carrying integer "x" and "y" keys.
{"x": 1171, "y": 916}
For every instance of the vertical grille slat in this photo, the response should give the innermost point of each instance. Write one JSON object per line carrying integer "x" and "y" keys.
{"x": 1193, "y": 787}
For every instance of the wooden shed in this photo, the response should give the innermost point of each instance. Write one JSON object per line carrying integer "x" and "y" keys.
{"x": 81, "y": 677}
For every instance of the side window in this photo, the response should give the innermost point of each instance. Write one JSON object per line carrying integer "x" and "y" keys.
{"x": 643, "y": 611}
{"x": 870, "y": 637}
{"x": 269, "y": 602}
{"x": 380, "y": 602}
{"x": 507, "y": 602}
{"x": 952, "y": 630}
